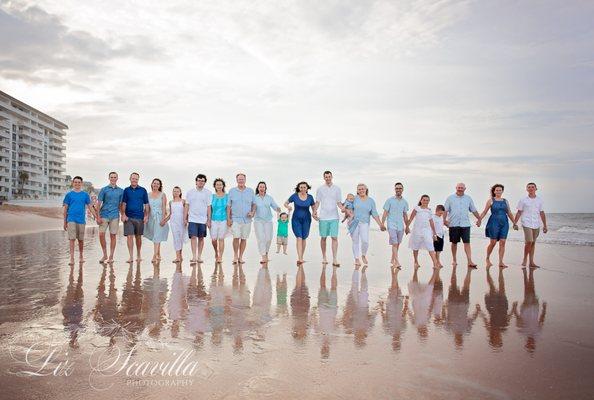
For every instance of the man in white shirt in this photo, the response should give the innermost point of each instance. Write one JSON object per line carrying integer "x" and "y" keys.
{"x": 198, "y": 216}
{"x": 531, "y": 210}
{"x": 328, "y": 201}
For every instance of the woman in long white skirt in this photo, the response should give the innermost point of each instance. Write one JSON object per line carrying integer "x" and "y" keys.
{"x": 263, "y": 220}
{"x": 177, "y": 225}
{"x": 423, "y": 233}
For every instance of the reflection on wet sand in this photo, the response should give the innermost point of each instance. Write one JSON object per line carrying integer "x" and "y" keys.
{"x": 327, "y": 310}
{"x": 357, "y": 318}
{"x": 531, "y": 317}
{"x": 300, "y": 306}
{"x": 497, "y": 308}
{"x": 229, "y": 320}
{"x": 394, "y": 311}
{"x": 72, "y": 305}
{"x": 457, "y": 321}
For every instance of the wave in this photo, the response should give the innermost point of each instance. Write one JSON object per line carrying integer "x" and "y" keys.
{"x": 573, "y": 229}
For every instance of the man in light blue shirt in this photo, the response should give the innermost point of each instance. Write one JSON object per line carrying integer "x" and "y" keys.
{"x": 241, "y": 209}
{"x": 457, "y": 207}
{"x": 110, "y": 201}
{"x": 396, "y": 211}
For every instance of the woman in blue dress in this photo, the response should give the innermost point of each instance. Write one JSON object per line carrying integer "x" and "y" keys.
{"x": 497, "y": 226}
{"x": 156, "y": 228}
{"x": 301, "y": 220}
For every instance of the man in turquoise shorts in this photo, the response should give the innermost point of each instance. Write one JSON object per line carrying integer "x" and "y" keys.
{"x": 328, "y": 201}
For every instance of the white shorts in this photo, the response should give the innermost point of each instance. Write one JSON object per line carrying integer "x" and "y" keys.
{"x": 241, "y": 231}
{"x": 218, "y": 229}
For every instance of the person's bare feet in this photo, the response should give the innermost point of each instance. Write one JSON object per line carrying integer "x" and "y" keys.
{"x": 364, "y": 260}
{"x": 71, "y": 261}
{"x": 471, "y": 265}
{"x": 241, "y": 262}
{"x": 489, "y": 263}
{"x": 534, "y": 266}
{"x": 110, "y": 260}
{"x": 284, "y": 252}
{"x": 335, "y": 263}
{"x": 357, "y": 262}
{"x": 130, "y": 260}
{"x": 103, "y": 259}
{"x": 324, "y": 261}
{"x": 199, "y": 261}
{"x": 524, "y": 263}
{"x": 501, "y": 265}
{"x": 364, "y": 268}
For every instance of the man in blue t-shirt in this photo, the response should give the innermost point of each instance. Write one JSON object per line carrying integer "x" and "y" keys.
{"x": 135, "y": 206}
{"x": 76, "y": 203}
{"x": 110, "y": 200}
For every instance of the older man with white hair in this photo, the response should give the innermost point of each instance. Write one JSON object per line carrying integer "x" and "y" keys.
{"x": 457, "y": 207}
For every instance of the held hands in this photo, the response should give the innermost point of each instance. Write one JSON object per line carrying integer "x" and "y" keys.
{"x": 407, "y": 230}
{"x": 515, "y": 227}
{"x": 229, "y": 222}
{"x": 383, "y": 228}
{"x": 124, "y": 218}
{"x": 250, "y": 214}
{"x": 478, "y": 222}
{"x": 99, "y": 220}
{"x": 163, "y": 222}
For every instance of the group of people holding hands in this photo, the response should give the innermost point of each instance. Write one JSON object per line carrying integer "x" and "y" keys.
{"x": 224, "y": 214}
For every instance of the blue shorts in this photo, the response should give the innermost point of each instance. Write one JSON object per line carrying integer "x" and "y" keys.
{"x": 300, "y": 227}
{"x": 328, "y": 228}
{"x": 196, "y": 229}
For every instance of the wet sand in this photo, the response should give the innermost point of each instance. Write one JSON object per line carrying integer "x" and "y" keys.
{"x": 343, "y": 334}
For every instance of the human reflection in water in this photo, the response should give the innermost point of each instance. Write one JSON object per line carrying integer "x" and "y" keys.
{"x": 177, "y": 306}
{"x": 281, "y": 296}
{"x": 129, "y": 315}
{"x": 497, "y": 305}
{"x": 238, "y": 308}
{"x": 457, "y": 320}
{"x": 437, "y": 308}
{"x": 154, "y": 290}
{"x": 72, "y": 305}
{"x": 325, "y": 323}
{"x": 262, "y": 301}
{"x": 421, "y": 297}
{"x": 394, "y": 312}
{"x": 300, "y": 306}
{"x": 357, "y": 318}
{"x": 197, "y": 319}
{"x": 528, "y": 320}
{"x": 106, "y": 309}
{"x": 216, "y": 307}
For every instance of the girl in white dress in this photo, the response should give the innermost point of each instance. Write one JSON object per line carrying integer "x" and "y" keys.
{"x": 423, "y": 233}
{"x": 177, "y": 226}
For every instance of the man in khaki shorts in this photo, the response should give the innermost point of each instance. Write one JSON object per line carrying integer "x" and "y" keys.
{"x": 76, "y": 203}
{"x": 109, "y": 203}
{"x": 531, "y": 210}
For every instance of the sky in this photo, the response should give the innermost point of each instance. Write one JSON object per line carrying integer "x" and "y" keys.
{"x": 428, "y": 93}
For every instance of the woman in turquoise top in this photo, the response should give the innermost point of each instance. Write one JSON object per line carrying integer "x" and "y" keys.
{"x": 156, "y": 228}
{"x": 218, "y": 225}
{"x": 301, "y": 220}
{"x": 497, "y": 226}
{"x": 263, "y": 220}
{"x": 364, "y": 208}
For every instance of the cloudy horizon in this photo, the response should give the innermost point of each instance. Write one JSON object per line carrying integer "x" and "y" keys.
{"x": 424, "y": 92}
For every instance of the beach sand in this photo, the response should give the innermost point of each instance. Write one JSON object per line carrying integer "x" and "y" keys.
{"x": 251, "y": 339}
{"x": 18, "y": 220}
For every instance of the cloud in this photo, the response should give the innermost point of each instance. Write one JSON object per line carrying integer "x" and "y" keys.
{"x": 38, "y": 47}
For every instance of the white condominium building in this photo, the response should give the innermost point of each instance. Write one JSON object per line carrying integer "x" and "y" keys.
{"x": 32, "y": 151}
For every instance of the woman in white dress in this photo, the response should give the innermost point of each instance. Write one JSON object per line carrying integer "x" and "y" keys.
{"x": 423, "y": 233}
{"x": 177, "y": 225}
